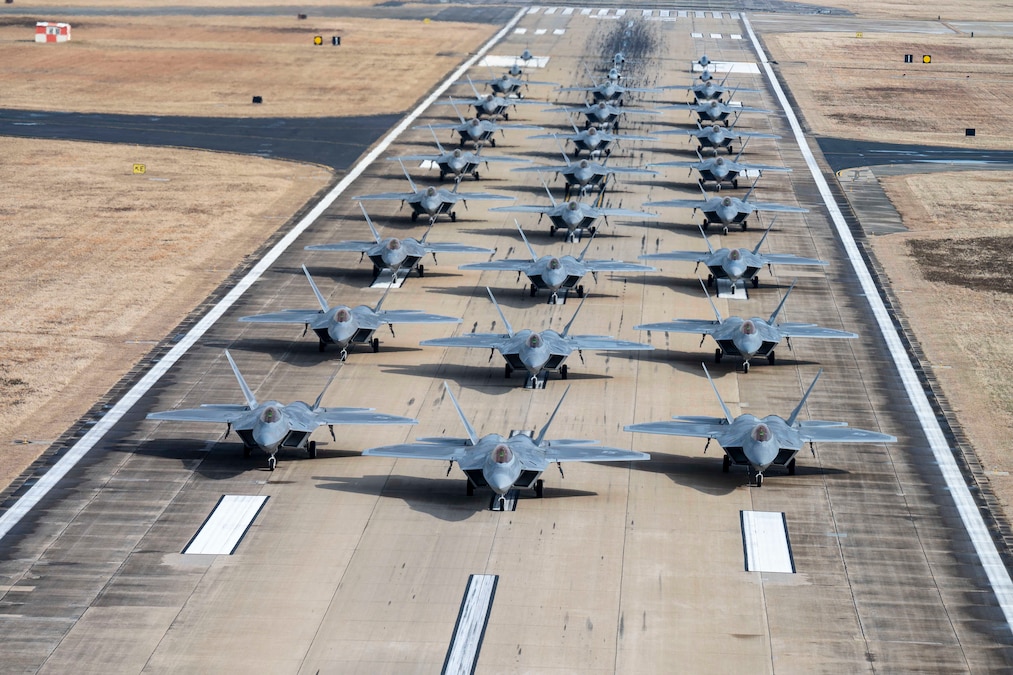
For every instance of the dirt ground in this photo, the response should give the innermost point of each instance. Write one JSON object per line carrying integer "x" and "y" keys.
{"x": 214, "y": 65}
{"x": 98, "y": 264}
{"x": 969, "y": 10}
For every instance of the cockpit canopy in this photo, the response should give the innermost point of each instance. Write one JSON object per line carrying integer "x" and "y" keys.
{"x": 735, "y": 254}
{"x": 761, "y": 433}
{"x": 727, "y": 201}
{"x": 430, "y": 191}
{"x": 458, "y": 153}
{"x": 584, "y": 164}
{"x": 270, "y": 415}
{"x": 592, "y": 131}
{"x": 474, "y": 122}
{"x": 393, "y": 244}
{"x": 554, "y": 264}
{"x": 342, "y": 315}
{"x": 502, "y": 454}
{"x": 534, "y": 340}
{"x": 573, "y": 206}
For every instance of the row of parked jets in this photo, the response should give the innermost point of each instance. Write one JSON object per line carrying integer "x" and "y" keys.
{"x": 505, "y": 463}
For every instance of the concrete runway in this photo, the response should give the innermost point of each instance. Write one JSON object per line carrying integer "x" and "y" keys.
{"x": 359, "y": 564}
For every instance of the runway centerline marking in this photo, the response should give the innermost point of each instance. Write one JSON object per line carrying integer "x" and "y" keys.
{"x": 226, "y": 526}
{"x": 974, "y": 525}
{"x": 472, "y": 619}
{"x": 76, "y": 452}
{"x": 765, "y": 543}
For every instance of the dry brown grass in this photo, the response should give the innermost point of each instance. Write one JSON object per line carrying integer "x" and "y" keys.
{"x": 976, "y": 10}
{"x": 213, "y": 66}
{"x": 100, "y": 263}
{"x": 860, "y": 88}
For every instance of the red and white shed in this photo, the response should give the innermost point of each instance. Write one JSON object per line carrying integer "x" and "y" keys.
{"x": 46, "y": 31}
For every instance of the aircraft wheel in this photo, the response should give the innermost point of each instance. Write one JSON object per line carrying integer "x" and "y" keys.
{"x": 710, "y": 280}
{"x": 580, "y": 291}
{"x": 717, "y": 355}
{"x": 759, "y": 480}
{"x": 311, "y": 449}
{"x": 321, "y": 346}
{"x": 506, "y": 116}
{"x": 539, "y": 488}
{"x": 470, "y": 489}
{"x": 791, "y": 467}
{"x": 726, "y": 464}
{"x": 375, "y": 344}
{"x": 771, "y": 359}
{"x": 744, "y": 225}
{"x": 745, "y": 367}
{"x": 415, "y": 216}
{"x": 593, "y": 229}
{"x": 443, "y": 175}
{"x": 421, "y": 270}
{"x": 729, "y": 148}
{"x": 563, "y": 371}
{"x": 247, "y": 450}
{"x": 453, "y": 216}
{"x": 507, "y": 371}
{"x": 552, "y": 230}
{"x": 344, "y": 354}
{"x": 726, "y": 123}
{"x": 271, "y": 462}
{"x": 706, "y": 223}
{"x": 533, "y": 290}
{"x": 756, "y": 282}
{"x": 735, "y": 183}
{"x": 492, "y": 142}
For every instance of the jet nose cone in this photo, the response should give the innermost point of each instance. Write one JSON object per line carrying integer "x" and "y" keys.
{"x": 500, "y": 483}
{"x": 268, "y": 438}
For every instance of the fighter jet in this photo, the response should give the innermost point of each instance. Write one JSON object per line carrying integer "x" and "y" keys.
{"x": 714, "y": 111}
{"x": 396, "y": 254}
{"x": 556, "y": 273}
{"x": 433, "y": 201}
{"x": 458, "y": 163}
{"x": 736, "y": 264}
{"x": 574, "y": 216}
{"x": 603, "y": 112}
{"x": 594, "y": 140}
{"x": 610, "y": 89}
{"x": 748, "y": 338}
{"x": 537, "y": 353}
{"x": 505, "y": 463}
{"x": 715, "y": 136}
{"x": 478, "y": 131}
{"x": 490, "y": 105}
{"x": 708, "y": 90}
{"x": 728, "y": 210}
{"x": 757, "y": 443}
{"x": 509, "y": 84}
{"x": 585, "y": 174}
{"x": 345, "y": 326}
{"x": 719, "y": 170}
{"x": 271, "y": 425}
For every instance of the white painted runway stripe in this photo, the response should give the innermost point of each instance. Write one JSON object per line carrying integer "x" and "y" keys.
{"x": 997, "y": 573}
{"x": 74, "y": 454}
{"x": 473, "y": 617}
{"x": 765, "y": 542}
{"x": 227, "y": 525}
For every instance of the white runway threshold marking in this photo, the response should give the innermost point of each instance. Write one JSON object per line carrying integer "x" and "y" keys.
{"x": 765, "y": 542}
{"x": 462, "y": 656}
{"x": 991, "y": 562}
{"x": 73, "y": 455}
{"x": 227, "y": 525}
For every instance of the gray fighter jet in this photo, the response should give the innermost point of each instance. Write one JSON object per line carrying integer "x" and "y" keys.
{"x": 603, "y": 112}
{"x": 719, "y": 170}
{"x": 537, "y": 353}
{"x": 728, "y": 210}
{"x": 585, "y": 174}
{"x": 478, "y": 131}
{"x": 271, "y": 425}
{"x": 748, "y": 338}
{"x": 714, "y": 111}
{"x": 610, "y": 89}
{"x": 490, "y": 105}
{"x": 758, "y": 443}
{"x": 433, "y": 201}
{"x": 556, "y": 273}
{"x": 505, "y": 463}
{"x": 457, "y": 163}
{"x": 573, "y": 216}
{"x": 509, "y": 84}
{"x": 395, "y": 254}
{"x": 735, "y": 264}
{"x": 711, "y": 91}
{"x": 715, "y": 136}
{"x": 345, "y": 326}
{"x": 594, "y": 140}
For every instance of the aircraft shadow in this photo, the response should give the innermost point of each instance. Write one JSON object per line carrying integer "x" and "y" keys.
{"x": 301, "y": 353}
{"x": 516, "y": 297}
{"x": 441, "y": 498}
{"x": 488, "y": 380}
{"x": 692, "y": 360}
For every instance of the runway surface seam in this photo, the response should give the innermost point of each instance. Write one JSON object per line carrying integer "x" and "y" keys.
{"x": 974, "y": 524}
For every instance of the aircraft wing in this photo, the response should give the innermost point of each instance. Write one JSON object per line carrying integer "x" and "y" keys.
{"x": 765, "y": 167}
{"x": 625, "y": 213}
{"x": 789, "y": 259}
{"x": 455, "y": 248}
{"x": 227, "y": 413}
{"x": 357, "y": 416}
{"x": 821, "y": 432}
{"x": 482, "y": 196}
{"x": 447, "y": 451}
{"x": 351, "y": 246}
{"x": 748, "y": 109}
{"x": 499, "y": 265}
{"x": 523, "y": 209}
{"x": 616, "y": 266}
{"x": 784, "y": 208}
{"x": 542, "y": 169}
{"x": 476, "y": 340}
{"x": 684, "y": 256}
{"x": 590, "y": 453}
{"x": 284, "y": 316}
{"x": 605, "y": 343}
{"x": 413, "y": 316}
{"x": 678, "y": 165}
{"x": 809, "y": 330}
{"x": 676, "y": 132}
{"x": 699, "y": 427}
{"x": 446, "y": 125}
{"x": 751, "y": 134}
{"x": 620, "y": 170}
{"x": 698, "y": 326}
{"x": 385, "y": 195}
{"x": 512, "y": 125}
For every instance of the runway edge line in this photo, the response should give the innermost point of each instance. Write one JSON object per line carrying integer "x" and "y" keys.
{"x": 974, "y": 525}
{"x": 77, "y": 451}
